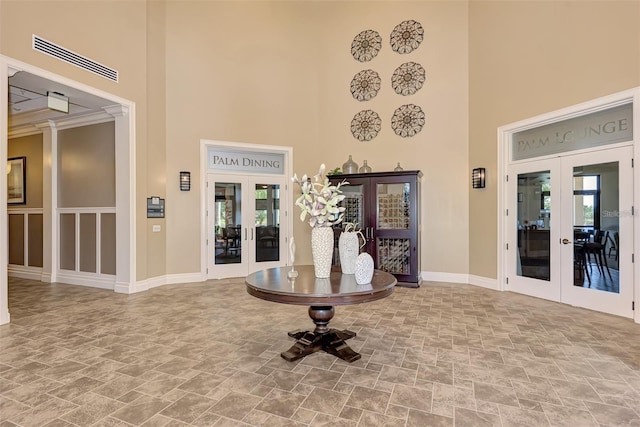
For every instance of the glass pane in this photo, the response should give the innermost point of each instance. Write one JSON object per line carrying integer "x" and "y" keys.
{"x": 353, "y": 204}
{"x": 393, "y": 206}
{"x": 596, "y": 224}
{"x": 267, "y": 222}
{"x": 534, "y": 225}
{"x": 393, "y": 255}
{"x": 590, "y": 130}
{"x": 227, "y": 222}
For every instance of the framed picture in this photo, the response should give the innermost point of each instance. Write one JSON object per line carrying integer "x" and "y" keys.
{"x": 17, "y": 180}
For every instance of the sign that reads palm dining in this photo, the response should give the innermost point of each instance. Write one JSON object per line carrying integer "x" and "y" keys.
{"x": 245, "y": 161}
{"x": 603, "y": 127}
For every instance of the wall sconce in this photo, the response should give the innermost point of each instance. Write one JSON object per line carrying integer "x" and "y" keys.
{"x": 477, "y": 178}
{"x": 185, "y": 181}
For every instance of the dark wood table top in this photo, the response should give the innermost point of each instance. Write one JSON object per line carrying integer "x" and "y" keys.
{"x": 340, "y": 289}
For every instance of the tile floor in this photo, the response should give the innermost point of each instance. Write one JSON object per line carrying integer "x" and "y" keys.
{"x": 208, "y": 354}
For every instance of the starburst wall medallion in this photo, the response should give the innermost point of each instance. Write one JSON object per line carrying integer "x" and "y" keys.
{"x": 365, "y": 85}
{"x": 365, "y": 125}
{"x": 407, "y": 120}
{"x": 408, "y": 78}
{"x": 407, "y": 36}
{"x": 366, "y": 45}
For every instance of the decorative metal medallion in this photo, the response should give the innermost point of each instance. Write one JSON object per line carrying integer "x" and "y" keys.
{"x": 408, "y": 78}
{"x": 407, "y": 36}
{"x": 365, "y": 125}
{"x": 407, "y": 120}
{"x": 365, "y": 85}
{"x": 366, "y": 45}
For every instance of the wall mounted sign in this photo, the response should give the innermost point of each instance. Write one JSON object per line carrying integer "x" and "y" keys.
{"x": 603, "y": 127}
{"x": 262, "y": 162}
{"x": 366, "y": 45}
{"x": 365, "y": 125}
{"x": 155, "y": 207}
{"x": 407, "y": 120}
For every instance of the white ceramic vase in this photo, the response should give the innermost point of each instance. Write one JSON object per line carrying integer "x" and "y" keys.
{"x": 364, "y": 269}
{"x": 322, "y": 250}
{"x": 348, "y": 249}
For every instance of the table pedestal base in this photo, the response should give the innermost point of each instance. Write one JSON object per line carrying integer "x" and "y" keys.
{"x": 322, "y": 338}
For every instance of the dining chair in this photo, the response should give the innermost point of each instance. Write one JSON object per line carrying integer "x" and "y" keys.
{"x": 597, "y": 249}
{"x": 580, "y": 265}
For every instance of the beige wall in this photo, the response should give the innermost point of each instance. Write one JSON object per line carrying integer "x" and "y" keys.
{"x": 113, "y": 33}
{"x": 278, "y": 73}
{"x": 531, "y": 57}
{"x": 86, "y": 166}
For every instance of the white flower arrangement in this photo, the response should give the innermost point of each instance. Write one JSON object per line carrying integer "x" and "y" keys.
{"x": 320, "y": 199}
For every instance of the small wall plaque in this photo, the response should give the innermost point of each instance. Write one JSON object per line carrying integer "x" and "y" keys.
{"x": 155, "y": 207}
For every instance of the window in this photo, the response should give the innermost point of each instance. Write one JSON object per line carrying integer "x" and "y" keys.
{"x": 586, "y": 201}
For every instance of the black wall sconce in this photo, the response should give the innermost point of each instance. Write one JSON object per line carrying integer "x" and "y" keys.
{"x": 477, "y": 178}
{"x": 185, "y": 181}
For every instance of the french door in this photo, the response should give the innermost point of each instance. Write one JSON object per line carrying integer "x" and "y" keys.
{"x": 570, "y": 230}
{"x": 244, "y": 228}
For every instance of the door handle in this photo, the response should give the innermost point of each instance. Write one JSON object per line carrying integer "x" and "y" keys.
{"x": 565, "y": 241}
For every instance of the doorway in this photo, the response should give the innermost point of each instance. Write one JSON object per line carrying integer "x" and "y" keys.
{"x": 247, "y": 221}
{"x": 122, "y": 113}
{"x": 571, "y": 221}
{"x": 567, "y": 202}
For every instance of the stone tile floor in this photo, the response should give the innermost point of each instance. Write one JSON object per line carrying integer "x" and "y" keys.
{"x": 208, "y": 354}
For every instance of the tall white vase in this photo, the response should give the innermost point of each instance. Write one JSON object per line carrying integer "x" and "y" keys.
{"x": 349, "y": 248}
{"x": 322, "y": 250}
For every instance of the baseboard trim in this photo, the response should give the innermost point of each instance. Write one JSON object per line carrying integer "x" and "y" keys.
{"x": 29, "y": 273}
{"x": 469, "y": 279}
{"x": 436, "y": 276}
{"x": 484, "y": 282}
{"x": 168, "y": 279}
{"x": 90, "y": 281}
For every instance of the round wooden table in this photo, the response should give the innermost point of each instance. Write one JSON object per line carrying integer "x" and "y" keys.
{"x": 321, "y": 295}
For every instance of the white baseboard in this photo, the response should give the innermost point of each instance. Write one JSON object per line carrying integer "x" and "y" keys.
{"x": 484, "y": 282}
{"x": 29, "y": 273}
{"x": 168, "y": 279}
{"x": 436, "y": 276}
{"x": 102, "y": 282}
{"x": 470, "y": 279}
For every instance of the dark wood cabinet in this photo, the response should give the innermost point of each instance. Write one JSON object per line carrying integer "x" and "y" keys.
{"x": 386, "y": 207}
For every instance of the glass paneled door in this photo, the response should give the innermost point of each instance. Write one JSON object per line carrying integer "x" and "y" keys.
{"x": 597, "y": 231}
{"x": 534, "y": 192}
{"x": 243, "y": 225}
{"x": 570, "y": 221}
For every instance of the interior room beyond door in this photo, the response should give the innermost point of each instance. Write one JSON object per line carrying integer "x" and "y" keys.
{"x": 571, "y": 224}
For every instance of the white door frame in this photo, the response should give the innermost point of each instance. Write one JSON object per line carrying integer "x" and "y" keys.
{"x": 124, "y": 112}
{"x": 286, "y": 220}
{"x": 504, "y": 135}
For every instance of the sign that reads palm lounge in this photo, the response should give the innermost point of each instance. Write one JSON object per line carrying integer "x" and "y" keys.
{"x": 245, "y": 161}
{"x": 604, "y": 127}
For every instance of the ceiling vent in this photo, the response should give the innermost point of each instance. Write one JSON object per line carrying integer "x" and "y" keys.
{"x": 52, "y": 49}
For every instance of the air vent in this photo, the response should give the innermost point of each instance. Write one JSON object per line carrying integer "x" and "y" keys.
{"x": 52, "y": 49}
